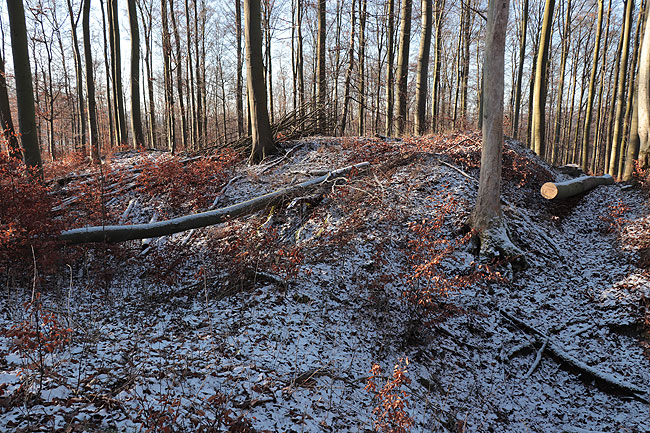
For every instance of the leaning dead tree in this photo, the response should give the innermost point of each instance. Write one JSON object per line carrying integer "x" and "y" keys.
{"x": 569, "y": 188}
{"x": 120, "y": 233}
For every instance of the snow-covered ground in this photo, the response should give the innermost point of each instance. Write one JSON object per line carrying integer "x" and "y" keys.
{"x": 285, "y": 346}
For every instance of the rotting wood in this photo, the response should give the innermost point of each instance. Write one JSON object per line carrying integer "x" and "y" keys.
{"x": 569, "y": 188}
{"x": 608, "y": 381}
{"x": 120, "y": 233}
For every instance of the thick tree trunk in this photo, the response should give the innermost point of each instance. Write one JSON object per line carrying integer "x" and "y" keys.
{"x": 403, "y": 66}
{"x": 24, "y": 89}
{"x": 136, "y": 117}
{"x": 260, "y": 126}
{"x": 423, "y": 69}
{"x": 643, "y": 98}
{"x": 487, "y": 218}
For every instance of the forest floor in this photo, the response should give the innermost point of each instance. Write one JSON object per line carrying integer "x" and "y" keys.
{"x": 274, "y": 321}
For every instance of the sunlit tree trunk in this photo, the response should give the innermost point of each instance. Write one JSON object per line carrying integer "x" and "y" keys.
{"x": 348, "y": 72}
{"x": 620, "y": 100}
{"x": 403, "y": 65}
{"x": 423, "y": 68}
{"x": 539, "y": 94}
{"x": 437, "y": 63}
{"x": 260, "y": 126}
{"x": 362, "y": 72}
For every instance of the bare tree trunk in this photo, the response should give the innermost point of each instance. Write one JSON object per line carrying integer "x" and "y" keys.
{"x": 239, "y": 84}
{"x": 403, "y": 65}
{"x": 116, "y": 65}
{"x": 90, "y": 84}
{"x": 389, "y": 67}
{"x": 620, "y": 100}
{"x": 437, "y": 62}
{"x": 261, "y": 128}
{"x": 520, "y": 68}
{"x": 643, "y": 98}
{"x": 147, "y": 25}
{"x": 586, "y": 136}
{"x": 320, "y": 66}
{"x": 109, "y": 99}
{"x": 81, "y": 108}
{"x": 136, "y": 117}
{"x": 539, "y": 94}
{"x": 423, "y": 69}
{"x": 170, "y": 120}
{"x": 194, "y": 115}
{"x": 601, "y": 110}
{"x": 362, "y": 72}
{"x": 348, "y": 72}
{"x": 566, "y": 41}
{"x": 24, "y": 89}
{"x": 487, "y": 218}
{"x": 179, "y": 75}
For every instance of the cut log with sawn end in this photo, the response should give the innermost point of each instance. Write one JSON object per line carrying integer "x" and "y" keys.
{"x": 569, "y": 188}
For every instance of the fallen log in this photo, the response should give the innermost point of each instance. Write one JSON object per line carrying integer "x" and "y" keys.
{"x": 120, "y": 233}
{"x": 559, "y": 190}
{"x": 609, "y": 381}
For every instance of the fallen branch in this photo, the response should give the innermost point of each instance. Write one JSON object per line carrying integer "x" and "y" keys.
{"x": 120, "y": 233}
{"x": 573, "y": 187}
{"x": 608, "y": 380}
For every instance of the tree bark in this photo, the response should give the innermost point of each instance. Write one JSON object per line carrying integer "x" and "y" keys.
{"x": 643, "y": 98}
{"x": 239, "y": 84}
{"x": 24, "y": 89}
{"x": 90, "y": 84}
{"x": 363, "y": 4}
{"x": 348, "y": 72}
{"x": 437, "y": 63}
{"x": 520, "y": 68}
{"x": 320, "y": 65}
{"x": 403, "y": 66}
{"x": 539, "y": 94}
{"x": 566, "y": 40}
{"x": 423, "y": 68}
{"x": 116, "y": 72}
{"x": 136, "y": 118}
{"x": 486, "y": 217}
{"x": 620, "y": 100}
{"x": 81, "y": 106}
{"x": 260, "y": 126}
{"x": 389, "y": 67}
